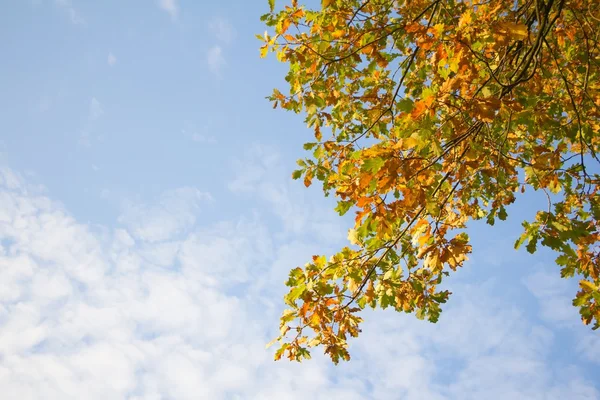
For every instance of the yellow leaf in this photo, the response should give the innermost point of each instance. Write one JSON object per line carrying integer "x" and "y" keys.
{"x": 272, "y": 342}
{"x": 326, "y": 3}
{"x": 370, "y": 292}
{"x": 352, "y": 237}
{"x": 438, "y": 30}
{"x": 587, "y": 286}
{"x": 408, "y": 143}
{"x": 315, "y": 319}
{"x": 352, "y": 285}
{"x": 433, "y": 262}
{"x": 513, "y": 30}
{"x": 338, "y": 34}
{"x": 424, "y": 239}
{"x": 465, "y": 19}
{"x": 263, "y": 51}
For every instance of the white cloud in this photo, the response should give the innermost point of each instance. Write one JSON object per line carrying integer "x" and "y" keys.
{"x": 73, "y": 14}
{"x": 170, "y": 6}
{"x": 198, "y": 137}
{"x": 554, "y": 294}
{"x": 174, "y": 212}
{"x": 170, "y": 307}
{"x": 261, "y": 173}
{"x": 215, "y": 59}
{"x": 112, "y": 60}
{"x": 225, "y": 33}
{"x": 85, "y": 139}
{"x": 96, "y": 110}
{"x": 222, "y": 30}
{"x": 589, "y": 347}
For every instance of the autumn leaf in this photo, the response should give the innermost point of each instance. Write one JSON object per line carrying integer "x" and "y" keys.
{"x": 422, "y": 118}
{"x": 513, "y": 30}
{"x": 285, "y": 24}
{"x": 352, "y": 237}
{"x": 373, "y": 164}
{"x": 263, "y": 51}
{"x": 465, "y": 19}
{"x": 421, "y": 106}
{"x": 326, "y": 3}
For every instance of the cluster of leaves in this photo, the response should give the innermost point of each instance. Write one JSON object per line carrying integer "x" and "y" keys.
{"x": 437, "y": 112}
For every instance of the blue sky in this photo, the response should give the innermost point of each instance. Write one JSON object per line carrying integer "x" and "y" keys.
{"x": 148, "y": 222}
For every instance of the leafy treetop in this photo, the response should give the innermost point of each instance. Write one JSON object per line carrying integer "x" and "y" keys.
{"x": 427, "y": 114}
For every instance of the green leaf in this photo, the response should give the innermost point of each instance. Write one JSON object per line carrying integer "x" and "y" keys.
{"x": 520, "y": 241}
{"x": 297, "y": 173}
{"x": 319, "y": 152}
{"x": 562, "y": 260}
{"x": 272, "y": 5}
{"x": 294, "y": 294}
{"x": 373, "y": 164}
{"x": 581, "y": 300}
{"x": 288, "y": 315}
{"x": 296, "y": 275}
{"x": 343, "y": 207}
{"x": 532, "y": 245}
{"x": 280, "y": 351}
{"x": 502, "y": 214}
{"x": 406, "y": 105}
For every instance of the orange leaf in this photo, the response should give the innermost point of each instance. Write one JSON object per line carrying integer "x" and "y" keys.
{"x": 308, "y": 178}
{"x": 285, "y": 24}
{"x": 421, "y": 106}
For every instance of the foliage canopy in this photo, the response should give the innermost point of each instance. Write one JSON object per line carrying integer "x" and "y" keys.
{"x": 427, "y": 114}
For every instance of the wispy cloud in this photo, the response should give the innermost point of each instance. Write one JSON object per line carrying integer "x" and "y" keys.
{"x": 554, "y": 295}
{"x": 95, "y": 112}
{"x": 222, "y": 30}
{"x": 174, "y": 212}
{"x": 261, "y": 173}
{"x": 215, "y": 59}
{"x": 73, "y": 14}
{"x": 111, "y": 60}
{"x": 170, "y": 6}
{"x": 169, "y": 306}
{"x": 202, "y": 136}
